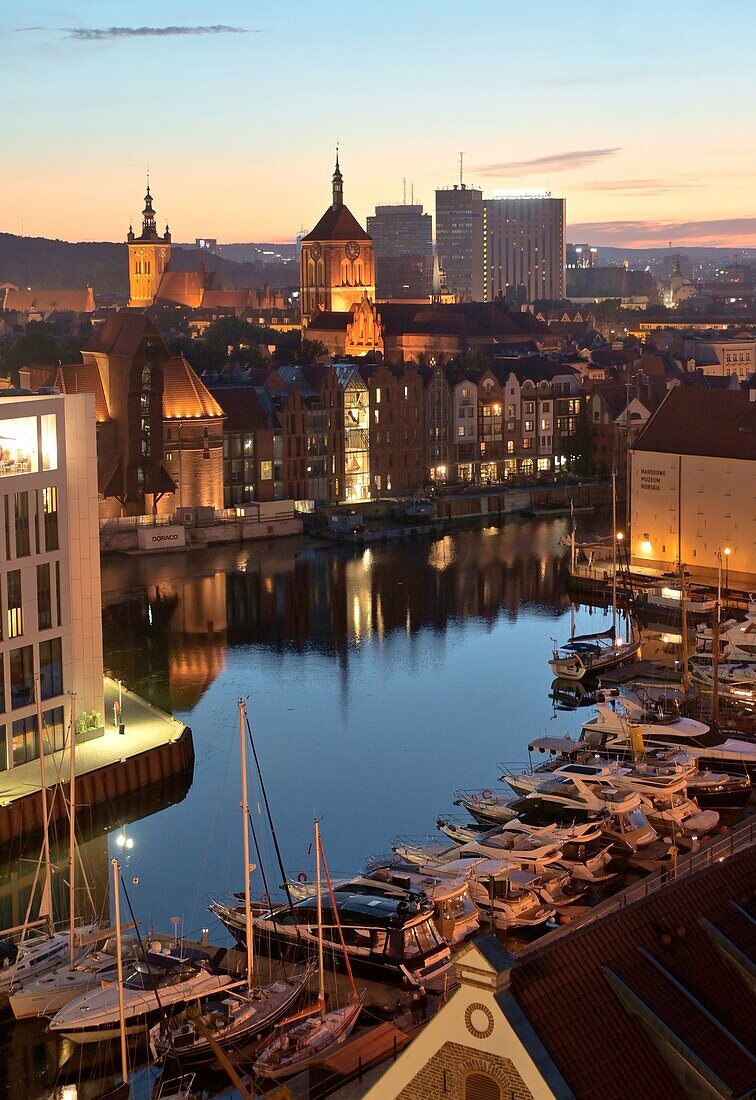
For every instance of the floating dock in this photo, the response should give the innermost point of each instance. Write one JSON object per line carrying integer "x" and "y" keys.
{"x": 153, "y": 748}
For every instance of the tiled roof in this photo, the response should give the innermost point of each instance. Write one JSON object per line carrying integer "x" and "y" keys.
{"x": 329, "y": 320}
{"x": 338, "y": 225}
{"x": 578, "y": 991}
{"x": 243, "y": 408}
{"x": 82, "y": 378}
{"x": 122, "y": 334}
{"x": 48, "y": 301}
{"x": 184, "y": 396}
{"x": 693, "y": 421}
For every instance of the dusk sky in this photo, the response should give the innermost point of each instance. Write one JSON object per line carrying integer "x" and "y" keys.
{"x": 641, "y": 114}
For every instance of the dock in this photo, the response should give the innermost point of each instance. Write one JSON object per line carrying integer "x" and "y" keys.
{"x": 153, "y": 748}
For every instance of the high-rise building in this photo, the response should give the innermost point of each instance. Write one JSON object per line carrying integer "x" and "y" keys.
{"x": 518, "y": 248}
{"x": 457, "y": 210}
{"x": 403, "y": 246}
{"x": 51, "y": 641}
{"x": 149, "y": 254}
{"x": 581, "y": 256}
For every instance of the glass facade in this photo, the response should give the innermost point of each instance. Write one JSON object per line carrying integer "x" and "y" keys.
{"x": 19, "y": 451}
{"x": 44, "y": 597}
{"x": 51, "y": 668}
{"x": 356, "y": 452}
{"x": 50, "y": 497}
{"x": 22, "y": 676}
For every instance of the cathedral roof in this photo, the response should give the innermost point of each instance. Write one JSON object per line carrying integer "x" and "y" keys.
{"x": 338, "y": 224}
{"x": 122, "y": 333}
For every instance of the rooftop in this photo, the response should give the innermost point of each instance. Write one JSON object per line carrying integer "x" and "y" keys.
{"x": 696, "y": 421}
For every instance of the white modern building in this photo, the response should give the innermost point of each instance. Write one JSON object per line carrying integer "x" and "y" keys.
{"x": 50, "y": 602}
{"x": 693, "y": 495}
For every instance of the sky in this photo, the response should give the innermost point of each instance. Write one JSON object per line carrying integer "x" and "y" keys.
{"x": 641, "y": 115}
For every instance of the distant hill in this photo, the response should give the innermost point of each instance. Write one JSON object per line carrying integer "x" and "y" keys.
{"x": 60, "y": 265}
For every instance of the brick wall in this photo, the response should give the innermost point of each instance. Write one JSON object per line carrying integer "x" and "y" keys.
{"x": 445, "y": 1073}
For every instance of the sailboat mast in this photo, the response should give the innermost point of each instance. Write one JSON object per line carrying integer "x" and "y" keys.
{"x": 614, "y": 556}
{"x": 46, "y": 906}
{"x": 119, "y": 961}
{"x": 245, "y": 834}
{"x": 72, "y": 837}
{"x": 321, "y": 976}
{"x": 715, "y": 645}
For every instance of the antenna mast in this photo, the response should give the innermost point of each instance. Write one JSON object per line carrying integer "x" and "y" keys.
{"x": 461, "y": 165}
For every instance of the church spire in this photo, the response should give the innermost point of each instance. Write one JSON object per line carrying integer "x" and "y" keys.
{"x": 338, "y": 184}
{"x": 148, "y": 214}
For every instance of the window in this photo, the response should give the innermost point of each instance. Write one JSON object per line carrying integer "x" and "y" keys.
{"x": 22, "y": 676}
{"x": 266, "y": 471}
{"x": 24, "y": 741}
{"x": 377, "y": 395}
{"x": 21, "y": 514}
{"x": 510, "y": 446}
{"x": 49, "y": 441}
{"x": 529, "y": 407}
{"x": 36, "y": 521}
{"x": 57, "y": 592}
{"x": 461, "y": 429}
{"x": 44, "y": 597}
{"x": 481, "y": 1086}
{"x": 511, "y": 412}
{"x": 546, "y": 406}
{"x": 15, "y": 610}
{"x": 465, "y": 394}
{"x": 527, "y": 444}
{"x": 18, "y": 446}
{"x": 50, "y": 504}
{"x": 51, "y": 668}
{"x": 53, "y": 729}
{"x": 529, "y": 426}
{"x": 7, "y": 531}
{"x": 3, "y": 748}
{"x": 377, "y": 415}
{"x": 544, "y": 424}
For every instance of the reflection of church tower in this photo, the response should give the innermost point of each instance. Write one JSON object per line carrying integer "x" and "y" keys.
{"x": 336, "y": 264}
{"x": 148, "y": 258}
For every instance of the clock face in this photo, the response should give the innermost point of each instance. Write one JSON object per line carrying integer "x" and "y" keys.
{"x": 352, "y": 250}
{"x": 316, "y": 252}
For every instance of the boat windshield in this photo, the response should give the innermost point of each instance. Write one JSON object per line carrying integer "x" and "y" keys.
{"x": 421, "y": 939}
{"x": 141, "y": 979}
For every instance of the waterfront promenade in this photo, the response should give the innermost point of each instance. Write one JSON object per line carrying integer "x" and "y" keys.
{"x": 153, "y": 747}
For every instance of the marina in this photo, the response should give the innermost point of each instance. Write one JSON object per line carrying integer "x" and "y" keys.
{"x": 334, "y": 651}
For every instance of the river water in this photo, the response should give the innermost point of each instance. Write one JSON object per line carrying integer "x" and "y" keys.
{"x": 377, "y": 682}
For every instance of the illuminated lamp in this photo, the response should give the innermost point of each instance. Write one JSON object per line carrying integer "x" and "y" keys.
{"x": 619, "y": 536}
{"x": 646, "y": 544}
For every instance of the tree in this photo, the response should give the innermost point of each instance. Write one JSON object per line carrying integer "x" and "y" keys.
{"x": 46, "y": 344}
{"x": 580, "y": 455}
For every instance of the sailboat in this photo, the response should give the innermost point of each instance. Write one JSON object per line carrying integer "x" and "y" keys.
{"x": 231, "y": 1014}
{"x": 594, "y": 654}
{"x": 316, "y": 1033}
{"x": 27, "y": 955}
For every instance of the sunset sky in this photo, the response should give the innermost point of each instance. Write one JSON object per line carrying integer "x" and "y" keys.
{"x": 641, "y": 115}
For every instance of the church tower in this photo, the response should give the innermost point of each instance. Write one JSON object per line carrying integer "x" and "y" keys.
{"x": 149, "y": 254}
{"x": 336, "y": 264}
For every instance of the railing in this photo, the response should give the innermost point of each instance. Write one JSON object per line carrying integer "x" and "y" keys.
{"x": 129, "y": 523}
{"x": 740, "y": 838}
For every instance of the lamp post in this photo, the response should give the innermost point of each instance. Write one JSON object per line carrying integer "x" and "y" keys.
{"x": 727, "y": 551}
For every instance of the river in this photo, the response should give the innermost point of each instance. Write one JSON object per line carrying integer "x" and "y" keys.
{"x": 377, "y": 682}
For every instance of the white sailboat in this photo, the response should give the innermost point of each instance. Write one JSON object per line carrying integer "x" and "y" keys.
{"x": 317, "y": 1032}
{"x": 234, "y": 1014}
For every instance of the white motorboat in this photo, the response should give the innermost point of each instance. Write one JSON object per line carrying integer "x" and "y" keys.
{"x": 595, "y": 788}
{"x": 619, "y": 719}
{"x": 24, "y": 960}
{"x": 585, "y": 852}
{"x": 504, "y": 894}
{"x": 150, "y": 985}
{"x": 709, "y": 789}
{"x": 737, "y": 639}
{"x": 46, "y": 994}
{"x": 486, "y": 805}
{"x": 666, "y": 600}
{"x": 729, "y": 673}
{"x": 517, "y": 849}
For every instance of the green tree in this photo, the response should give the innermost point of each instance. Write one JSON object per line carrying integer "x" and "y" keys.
{"x": 580, "y": 456}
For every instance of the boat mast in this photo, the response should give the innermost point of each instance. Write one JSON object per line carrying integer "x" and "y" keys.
{"x": 684, "y": 630}
{"x": 119, "y": 960}
{"x": 715, "y": 645}
{"x": 614, "y": 557}
{"x": 572, "y": 564}
{"x": 337, "y": 918}
{"x": 245, "y": 834}
{"x": 45, "y": 908}
{"x": 72, "y": 837}
{"x": 321, "y": 975}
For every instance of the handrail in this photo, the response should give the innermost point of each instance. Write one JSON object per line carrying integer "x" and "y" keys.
{"x": 740, "y": 838}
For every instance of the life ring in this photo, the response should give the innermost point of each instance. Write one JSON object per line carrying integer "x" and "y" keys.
{"x": 301, "y": 877}
{"x": 265, "y": 899}
{"x": 487, "y": 793}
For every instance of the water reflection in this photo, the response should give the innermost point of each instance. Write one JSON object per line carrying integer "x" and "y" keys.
{"x": 167, "y": 631}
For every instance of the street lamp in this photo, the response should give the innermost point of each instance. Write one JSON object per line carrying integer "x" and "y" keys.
{"x": 727, "y": 552}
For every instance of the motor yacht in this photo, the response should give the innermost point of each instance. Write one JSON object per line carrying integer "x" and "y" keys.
{"x": 505, "y": 895}
{"x": 664, "y": 601}
{"x": 517, "y": 849}
{"x": 730, "y": 673}
{"x": 585, "y": 852}
{"x": 385, "y": 937}
{"x": 486, "y": 805}
{"x": 150, "y": 985}
{"x": 22, "y": 961}
{"x": 619, "y": 718}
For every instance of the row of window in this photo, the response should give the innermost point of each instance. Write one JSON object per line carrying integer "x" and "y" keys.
{"x": 23, "y": 744}
{"x": 31, "y": 519}
{"x": 22, "y": 672}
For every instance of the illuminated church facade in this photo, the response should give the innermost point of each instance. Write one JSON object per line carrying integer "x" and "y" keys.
{"x": 337, "y": 267}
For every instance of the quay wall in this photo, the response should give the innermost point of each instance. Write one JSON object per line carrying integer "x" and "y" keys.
{"x": 132, "y": 773}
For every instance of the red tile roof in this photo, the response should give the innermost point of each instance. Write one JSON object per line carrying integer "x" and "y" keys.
{"x": 184, "y": 396}
{"x": 82, "y": 378}
{"x": 338, "y": 225}
{"x": 123, "y": 332}
{"x": 242, "y": 406}
{"x": 692, "y": 421}
{"x": 659, "y": 949}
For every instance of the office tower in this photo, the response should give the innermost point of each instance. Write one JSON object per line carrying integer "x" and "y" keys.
{"x": 403, "y": 245}
{"x": 457, "y": 211}
{"x": 518, "y": 248}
